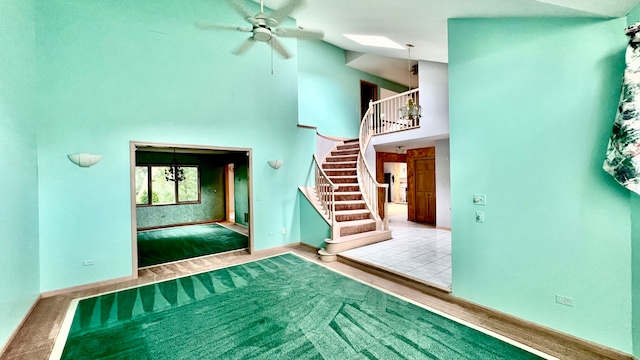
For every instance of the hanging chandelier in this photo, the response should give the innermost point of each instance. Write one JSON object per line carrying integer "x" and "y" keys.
{"x": 174, "y": 173}
{"x": 411, "y": 111}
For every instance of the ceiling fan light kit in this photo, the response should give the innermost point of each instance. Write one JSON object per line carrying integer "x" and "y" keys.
{"x": 265, "y": 28}
{"x": 261, "y": 34}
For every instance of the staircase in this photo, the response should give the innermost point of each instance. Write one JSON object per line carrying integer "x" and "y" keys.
{"x": 346, "y": 192}
{"x": 354, "y": 222}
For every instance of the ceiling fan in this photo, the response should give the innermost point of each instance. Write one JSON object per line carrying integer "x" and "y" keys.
{"x": 265, "y": 28}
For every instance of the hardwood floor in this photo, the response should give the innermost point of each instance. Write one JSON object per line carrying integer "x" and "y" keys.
{"x": 35, "y": 339}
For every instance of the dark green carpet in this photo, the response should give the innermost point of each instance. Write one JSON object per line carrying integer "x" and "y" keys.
{"x": 278, "y": 308}
{"x": 184, "y": 242}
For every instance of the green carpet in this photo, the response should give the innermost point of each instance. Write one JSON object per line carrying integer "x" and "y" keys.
{"x": 282, "y": 307}
{"x": 184, "y": 242}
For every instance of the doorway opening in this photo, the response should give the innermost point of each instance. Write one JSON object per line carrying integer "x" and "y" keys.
{"x": 395, "y": 176}
{"x": 188, "y": 201}
{"x": 368, "y": 93}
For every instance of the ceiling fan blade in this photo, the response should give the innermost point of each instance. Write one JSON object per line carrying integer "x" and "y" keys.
{"x": 241, "y": 8}
{"x": 277, "y": 46}
{"x": 244, "y": 47}
{"x": 300, "y": 34}
{"x": 282, "y": 13}
{"x": 208, "y": 26}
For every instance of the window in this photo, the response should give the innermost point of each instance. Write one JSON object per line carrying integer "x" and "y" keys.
{"x": 150, "y": 179}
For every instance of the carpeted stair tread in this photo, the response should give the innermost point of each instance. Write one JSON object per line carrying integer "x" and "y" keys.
{"x": 345, "y": 152}
{"x": 352, "y": 212}
{"x": 357, "y": 222}
{"x": 341, "y": 172}
{"x": 347, "y": 196}
{"x": 344, "y": 179}
{"x": 351, "y": 202}
{"x": 350, "y": 205}
{"x": 340, "y": 165}
{"x": 346, "y": 158}
{"x": 356, "y": 226}
{"x": 349, "y": 215}
{"x": 342, "y": 154}
{"x": 348, "y": 188}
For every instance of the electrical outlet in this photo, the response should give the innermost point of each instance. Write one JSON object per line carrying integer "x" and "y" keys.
{"x": 283, "y": 231}
{"x": 88, "y": 262}
{"x": 562, "y": 300}
{"x": 480, "y": 217}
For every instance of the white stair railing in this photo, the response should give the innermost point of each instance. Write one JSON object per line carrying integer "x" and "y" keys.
{"x": 372, "y": 191}
{"x": 325, "y": 191}
{"x": 382, "y": 117}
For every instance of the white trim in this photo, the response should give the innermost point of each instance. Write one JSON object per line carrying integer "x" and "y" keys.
{"x": 63, "y": 334}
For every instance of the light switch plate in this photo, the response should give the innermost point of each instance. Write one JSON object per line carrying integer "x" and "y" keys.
{"x": 480, "y": 217}
{"x": 480, "y": 199}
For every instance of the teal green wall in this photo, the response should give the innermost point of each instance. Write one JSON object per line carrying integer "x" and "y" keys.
{"x": 19, "y": 269}
{"x": 241, "y": 192}
{"x": 532, "y": 102}
{"x": 212, "y": 193}
{"x": 314, "y": 229}
{"x": 330, "y": 90}
{"x": 113, "y": 72}
{"x": 632, "y": 18}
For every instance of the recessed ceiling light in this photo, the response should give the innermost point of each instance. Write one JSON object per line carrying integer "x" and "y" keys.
{"x": 371, "y": 40}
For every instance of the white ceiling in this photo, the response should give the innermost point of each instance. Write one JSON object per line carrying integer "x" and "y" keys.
{"x": 423, "y": 23}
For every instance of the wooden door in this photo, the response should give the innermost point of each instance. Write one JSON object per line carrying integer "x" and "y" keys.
{"x": 425, "y": 190}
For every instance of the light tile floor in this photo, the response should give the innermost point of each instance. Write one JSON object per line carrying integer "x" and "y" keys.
{"x": 416, "y": 250}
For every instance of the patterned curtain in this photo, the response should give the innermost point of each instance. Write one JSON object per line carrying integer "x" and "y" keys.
{"x": 623, "y": 152}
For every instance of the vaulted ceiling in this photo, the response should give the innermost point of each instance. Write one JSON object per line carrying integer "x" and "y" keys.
{"x": 423, "y": 23}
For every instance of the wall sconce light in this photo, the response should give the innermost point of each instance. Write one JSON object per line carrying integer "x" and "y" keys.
{"x": 84, "y": 160}
{"x": 275, "y": 164}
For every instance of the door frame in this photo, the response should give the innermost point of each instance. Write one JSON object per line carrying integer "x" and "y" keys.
{"x": 134, "y": 145}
